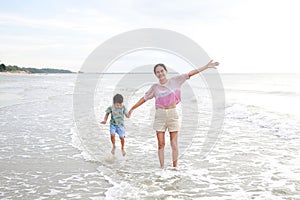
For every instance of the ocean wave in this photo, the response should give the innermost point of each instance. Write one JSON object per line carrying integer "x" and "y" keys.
{"x": 259, "y": 92}
{"x": 282, "y": 125}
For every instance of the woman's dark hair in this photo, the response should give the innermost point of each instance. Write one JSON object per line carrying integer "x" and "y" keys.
{"x": 160, "y": 64}
{"x": 118, "y": 98}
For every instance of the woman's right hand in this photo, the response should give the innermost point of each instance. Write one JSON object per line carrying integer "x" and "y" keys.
{"x": 129, "y": 113}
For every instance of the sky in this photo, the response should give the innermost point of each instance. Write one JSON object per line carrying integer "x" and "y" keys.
{"x": 245, "y": 36}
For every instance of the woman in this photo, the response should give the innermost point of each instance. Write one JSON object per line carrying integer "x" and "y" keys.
{"x": 167, "y": 95}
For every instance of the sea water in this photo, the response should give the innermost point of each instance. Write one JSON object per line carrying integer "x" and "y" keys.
{"x": 44, "y": 154}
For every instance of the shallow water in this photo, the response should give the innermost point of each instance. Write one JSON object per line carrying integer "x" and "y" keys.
{"x": 45, "y": 156}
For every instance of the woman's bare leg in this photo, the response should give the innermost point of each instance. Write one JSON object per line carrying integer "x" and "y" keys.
{"x": 161, "y": 146}
{"x": 174, "y": 145}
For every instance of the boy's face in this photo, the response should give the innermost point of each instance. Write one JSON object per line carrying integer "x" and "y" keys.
{"x": 118, "y": 105}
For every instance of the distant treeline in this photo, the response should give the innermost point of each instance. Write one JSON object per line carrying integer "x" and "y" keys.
{"x": 14, "y": 68}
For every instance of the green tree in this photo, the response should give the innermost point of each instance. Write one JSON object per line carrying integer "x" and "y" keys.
{"x": 2, "y": 68}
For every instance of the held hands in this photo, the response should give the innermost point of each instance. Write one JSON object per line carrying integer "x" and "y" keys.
{"x": 129, "y": 113}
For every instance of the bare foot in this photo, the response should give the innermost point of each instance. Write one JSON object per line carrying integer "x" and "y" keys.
{"x": 123, "y": 152}
{"x": 175, "y": 163}
{"x": 113, "y": 150}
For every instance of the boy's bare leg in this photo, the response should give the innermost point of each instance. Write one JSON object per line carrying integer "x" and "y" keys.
{"x": 113, "y": 141}
{"x": 161, "y": 146}
{"x": 122, "y": 145}
{"x": 174, "y": 145}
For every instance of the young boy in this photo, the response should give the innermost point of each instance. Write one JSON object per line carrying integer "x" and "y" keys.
{"x": 117, "y": 111}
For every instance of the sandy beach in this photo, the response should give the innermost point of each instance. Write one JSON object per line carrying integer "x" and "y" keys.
{"x": 15, "y": 73}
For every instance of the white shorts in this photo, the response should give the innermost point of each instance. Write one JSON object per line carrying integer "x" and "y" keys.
{"x": 166, "y": 119}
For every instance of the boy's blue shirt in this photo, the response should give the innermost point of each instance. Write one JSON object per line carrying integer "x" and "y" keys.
{"x": 117, "y": 115}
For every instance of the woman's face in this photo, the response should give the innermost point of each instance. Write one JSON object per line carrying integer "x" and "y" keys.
{"x": 160, "y": 73}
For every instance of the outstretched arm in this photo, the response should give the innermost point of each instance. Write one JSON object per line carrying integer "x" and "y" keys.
{"x": 211, "y": 64}
{"x": 140, "y": 102}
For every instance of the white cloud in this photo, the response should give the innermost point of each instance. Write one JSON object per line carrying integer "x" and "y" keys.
{"x": 88, "y": 24}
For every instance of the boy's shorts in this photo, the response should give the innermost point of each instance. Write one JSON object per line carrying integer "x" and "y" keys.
{"x": 166, "y": 119}
{"x": 120, "y": 130}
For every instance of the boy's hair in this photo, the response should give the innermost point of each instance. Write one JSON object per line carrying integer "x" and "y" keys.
{"x": 118, "y": 98}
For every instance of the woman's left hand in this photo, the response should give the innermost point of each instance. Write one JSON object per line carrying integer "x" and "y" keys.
{"x": 212, "y": 64}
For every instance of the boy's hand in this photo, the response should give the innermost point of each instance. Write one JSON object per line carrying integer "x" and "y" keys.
{"x": 103, "y": 122}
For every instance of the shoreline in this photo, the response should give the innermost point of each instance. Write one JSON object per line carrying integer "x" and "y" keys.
{"x": 14, "y": 73}
{"x": 27, "y": 73}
